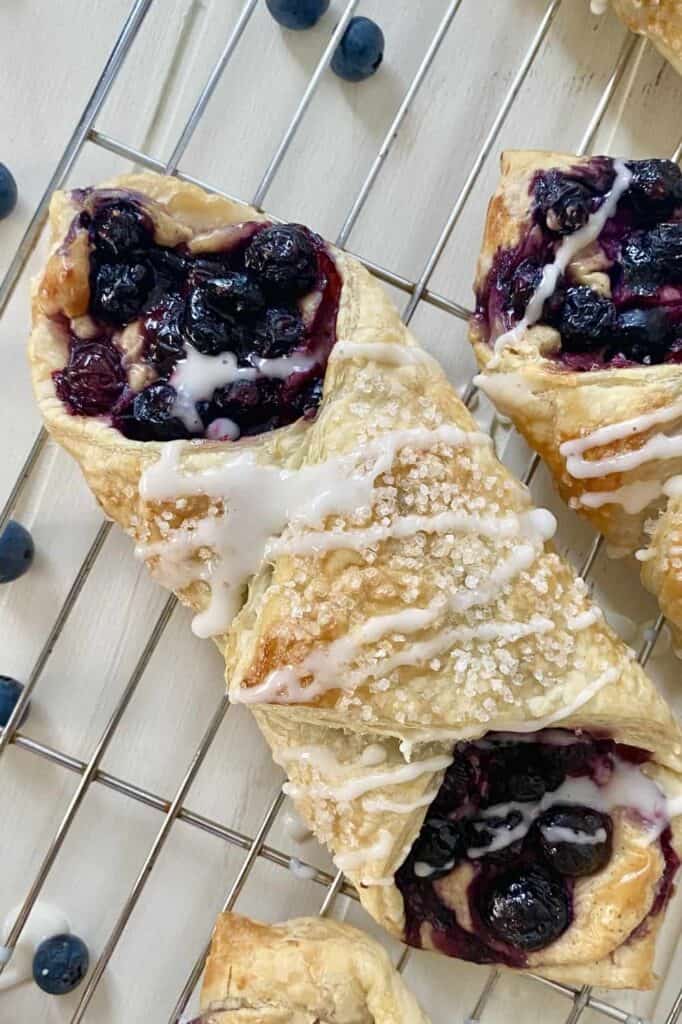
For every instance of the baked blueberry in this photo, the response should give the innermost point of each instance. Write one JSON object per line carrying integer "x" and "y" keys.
{"x": 527, "y": 909}
{"x": 656, "y": 186}
{"x": 60, "y": 963}
{"x": 277, "y": 332}
{"x": 153, "y": 415}
{"x": 209, "y": 331}
{"x": 307, "y": 400}
{"x": 283, "y": 259}
{"x": 525, "y": 281}
{"x": 360, "y": 52}
{"x": 643, "y": 335}
{"x": 248, "y": 402}
{"x": 652, "y": 258}
{"x": 563, "y": 204}
{"x": 584, "y": 319}
{"x": 575, "y": 840}
{"x": 440, "y": 842}
{"x": 163, "y": 327}
{"x": 297, "y": 14}
{"x": 93, "y": 378}
{"x": 120, "y": 229}
{"x": 16, "y": 551}
{"x": 10, "y": 692}
{"x": 234, "y": 294}
{"x": 119, "y": 291}
{"x": 8, "y": 192}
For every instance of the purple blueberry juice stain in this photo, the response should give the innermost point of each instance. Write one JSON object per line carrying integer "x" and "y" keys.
{"x": 640, "y": 322}
{"x": 520, "y": 894}
{"x": 245, "y": 299}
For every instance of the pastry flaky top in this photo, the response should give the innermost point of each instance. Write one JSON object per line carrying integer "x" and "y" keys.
{"x": 306, "y": 971}
{"x": 660, "y": 20}
{"x": 563, "y": 414}
{"x": 418, "y": 598}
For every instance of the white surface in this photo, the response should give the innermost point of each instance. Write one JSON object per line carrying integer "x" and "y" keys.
{"x": 50, "y": 55}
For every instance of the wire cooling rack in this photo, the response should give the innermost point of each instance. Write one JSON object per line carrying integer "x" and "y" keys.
{"x": 418, "y": 291}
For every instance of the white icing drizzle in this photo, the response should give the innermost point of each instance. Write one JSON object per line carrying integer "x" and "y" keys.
{"x": 568, "y": 249}
{"x": 660, "y": 446}
{"x": 382, "y": 352}
{"x": 611, "y": 675}
{"x": 632, "y": 497}
{"x": 197, "y": 376}
{"x": 628, "y": 788}
{"x": 373, "y": 755}
{"x": 295, "y": 827}
{"x": 672, "y": 488}
{"x": 44, "y": 920}
{"x": 222, "y": 429}
{"x": 492, "y": 527}
{"x": 261, "y": 499}
{"x": 561, "y": 834}
{"x": 583, "y": 620}
{"x": 374, "y": 804}
{"x": 645, "y": 554}
{"x": 354, "y": 787}
{"x": 365, "y": 855}
{"x": 424, "y": 870}
{"x": 599, "y": 7}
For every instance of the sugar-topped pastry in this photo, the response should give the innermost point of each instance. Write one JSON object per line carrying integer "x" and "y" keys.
{"x": 659, "y": 20}
{"x": 386, "y": 597}
{"x": 578, "y": 332}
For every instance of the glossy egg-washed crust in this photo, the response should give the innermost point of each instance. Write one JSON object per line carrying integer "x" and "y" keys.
{"x": 550, "y": 405}
{"x": 306, "y": 971}
{"x": 299, "y": 604}
{"x": 659, "y": 20}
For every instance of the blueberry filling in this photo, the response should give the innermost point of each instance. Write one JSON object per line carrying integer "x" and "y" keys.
{"x": 270, "y": 294}
{"x": 508, "y": 813}
{"x": 623, "y": 305}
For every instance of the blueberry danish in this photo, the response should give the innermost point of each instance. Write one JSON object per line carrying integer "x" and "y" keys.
{"x": 484, "y": 758}
{"x": 578, "y": 331}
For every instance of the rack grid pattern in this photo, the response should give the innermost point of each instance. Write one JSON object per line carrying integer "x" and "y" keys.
{"x": 417, "y": 291}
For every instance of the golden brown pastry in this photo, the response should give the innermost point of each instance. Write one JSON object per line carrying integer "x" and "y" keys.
{"x": 306, "y": 971}
{"x": 384, "y": 593}
{"x": 659, "y": 20}
{"x": 584, "y": 355}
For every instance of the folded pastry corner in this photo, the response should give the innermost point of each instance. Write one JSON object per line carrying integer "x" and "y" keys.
{"x": 483, "y": 756}
{"x": 658, "y": 20}
{"x": 305, "y": 971}
{"x": 578, "y": 332}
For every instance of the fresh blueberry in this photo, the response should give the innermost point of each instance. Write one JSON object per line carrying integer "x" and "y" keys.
{"x": 643, "y": 335}
{"x": 234, "y": 294}
{"x": 119, "y": 291}
{"x": 527, "y": 909}
{"x": 278, "y": 332}
{"x": 360, "y": 52}
{"x": 16, "y": 551}
{"x": 92, "y": 380}
{"x": 563, "y": 203}
{"x": 10, "y": 692}
{"x": 575, "y": 840}
{"x": 60, "y": 963}
{"x": 8, "y": 192}
{"x": 209, "y": 331}
{"x": 283, "y": 259}
{"x": 440, "y": 842}
{"x": 585, "y": 319}
{"x": 297, "y": 14}
{"x": 656, "y": 186}
{"x": 120, "y": 229}
{"x": 153, "y": 414}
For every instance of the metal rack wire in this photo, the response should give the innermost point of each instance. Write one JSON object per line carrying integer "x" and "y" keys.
{"x": 417, "y": 291}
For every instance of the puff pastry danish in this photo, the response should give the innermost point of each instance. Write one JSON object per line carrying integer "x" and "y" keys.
{"x": 306, "y": 971}
{"x": 578, "y": 332}
{"x": 458, "y": 722}
{"x": 659, "y": 20}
